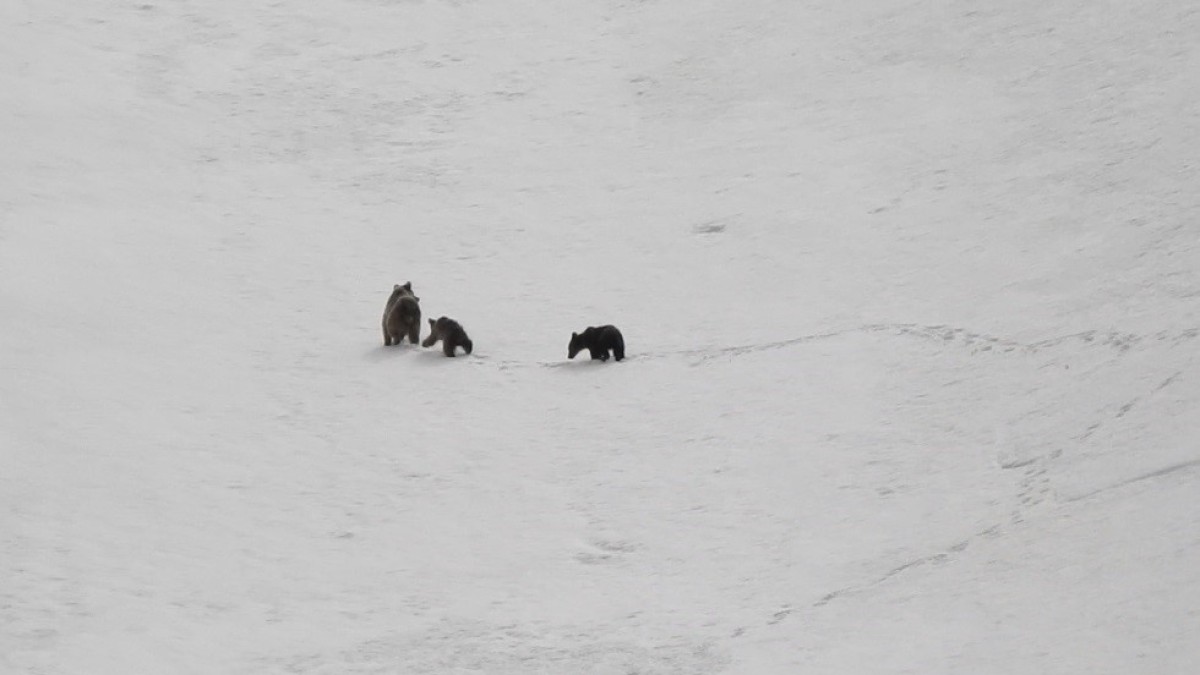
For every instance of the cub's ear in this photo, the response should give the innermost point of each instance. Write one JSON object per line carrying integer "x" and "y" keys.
{"x": 574, "y": 335}
{"x": 432, "y": 322}
{"x": 396, "y": 287}
{"x": 416, "y": 298}
{"x": 408, "y": 285}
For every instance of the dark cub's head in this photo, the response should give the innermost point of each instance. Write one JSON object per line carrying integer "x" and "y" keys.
{"x": 574, "y": 346}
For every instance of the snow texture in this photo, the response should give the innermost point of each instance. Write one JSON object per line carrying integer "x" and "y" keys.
{"x": 911, "y": 293}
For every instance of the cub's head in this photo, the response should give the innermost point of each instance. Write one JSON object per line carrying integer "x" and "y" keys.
{"x": 574, "y": 345}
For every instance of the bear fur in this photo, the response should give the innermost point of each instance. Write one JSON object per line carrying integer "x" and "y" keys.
{"x": 598, "y": 340}
{"x": 402, "y": 316}
{"x": 450, "y": 332}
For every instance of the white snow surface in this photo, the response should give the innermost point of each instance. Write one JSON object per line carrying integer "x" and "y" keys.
{"x": 911, "y": 293}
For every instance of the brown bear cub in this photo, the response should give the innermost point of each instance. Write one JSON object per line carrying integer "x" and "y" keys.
{"x": 450, "y": 332}
{"x": 402, "y": 316}
{"x": 598, "y": 340}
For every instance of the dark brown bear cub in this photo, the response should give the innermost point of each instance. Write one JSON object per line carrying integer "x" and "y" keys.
{"x": 450, "y": 332}
{"x": 402, "y": 316}
{"x": 598, "y": 340}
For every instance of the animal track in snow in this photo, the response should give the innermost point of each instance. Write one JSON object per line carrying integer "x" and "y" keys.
{"x": 599, "y": 551}
{"x": 1158, "y": 473}
{"x": 949, "y": 335}
{"x": 936, "y": 558}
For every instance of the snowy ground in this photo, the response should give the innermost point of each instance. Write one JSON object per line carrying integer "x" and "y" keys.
{"x": 911, "y": 292}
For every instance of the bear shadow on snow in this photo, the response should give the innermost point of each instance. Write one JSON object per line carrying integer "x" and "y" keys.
{"x": 585, "y": 368}
{"x": 431, "y": 358}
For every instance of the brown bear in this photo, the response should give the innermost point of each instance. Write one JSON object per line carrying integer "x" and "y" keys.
{"x": 450, "y": 332}
{"x": 598, "y": 340}
{"x": 402, "y": 316}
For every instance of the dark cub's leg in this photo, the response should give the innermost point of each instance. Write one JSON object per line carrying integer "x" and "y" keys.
{"x": 619, "y": 348}
{"x": 448, "y": 348}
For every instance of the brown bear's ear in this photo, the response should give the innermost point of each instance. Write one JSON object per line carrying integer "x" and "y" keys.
{"x": 432, "y": 322}
{"x": 574, "y": 335}
{"x": 396, "y": 287}
{"x": 408, "y": 285}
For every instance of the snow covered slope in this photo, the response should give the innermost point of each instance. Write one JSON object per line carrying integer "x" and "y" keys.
{"x": 910, "y": 292}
